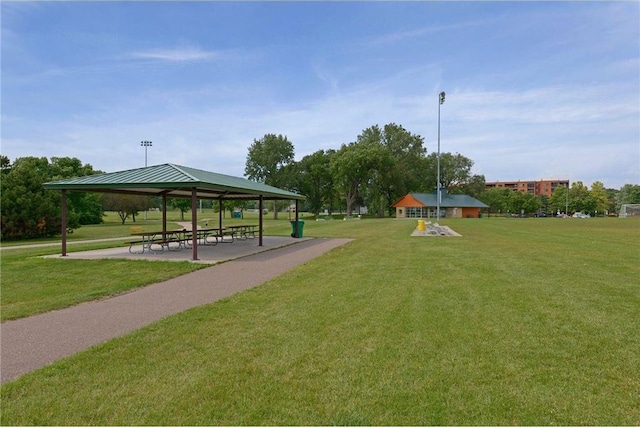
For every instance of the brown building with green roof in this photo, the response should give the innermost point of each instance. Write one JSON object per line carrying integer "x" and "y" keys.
{"x": 424, "y": 205}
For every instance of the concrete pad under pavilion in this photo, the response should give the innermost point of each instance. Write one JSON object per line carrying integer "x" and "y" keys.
{"x": 207, "y": 254}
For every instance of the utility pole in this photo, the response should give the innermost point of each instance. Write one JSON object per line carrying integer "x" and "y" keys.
{"x": 438, "y": 193}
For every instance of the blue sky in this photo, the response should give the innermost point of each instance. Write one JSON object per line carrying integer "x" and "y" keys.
{"x": 534, "y": 89}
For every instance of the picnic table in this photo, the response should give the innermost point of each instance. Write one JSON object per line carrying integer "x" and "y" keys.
{"x": 156, "y": 242}
{"x": 209, "y": 236}
{"x": 243, "y": 231}
{"x": 175, "y": 240}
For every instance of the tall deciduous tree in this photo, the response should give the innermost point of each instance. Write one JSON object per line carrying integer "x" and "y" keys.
{"x": 559, "y": 200}
{"x": 184, "y": 205}
{"x": 315, "y": 180}
{"x": 629, "y": 194}
{"x": 399, "y": 171}
{"x": 599, "y": 196}
{"x": 497, "y": 198}
{"x": 124, "y": 205}
{"x": 267, "y": 160}
{"x": 30, "y": 211}
{"x": 474, "y": 186}
{"x": 580, "y": 198}
{"x": 86, "y": 206}
{"x": 354, "y": 165}
{"x": 455, "y": 171}
{"x": 5, "y": 164}
{"x": 523, "y": 203}
{"x": 544, "y": 203}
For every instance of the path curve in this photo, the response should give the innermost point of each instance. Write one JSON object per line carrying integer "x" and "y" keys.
{"x": 33, "y": 342}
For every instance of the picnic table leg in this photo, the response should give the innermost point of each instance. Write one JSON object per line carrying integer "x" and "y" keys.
{"x": 132, "y": 244}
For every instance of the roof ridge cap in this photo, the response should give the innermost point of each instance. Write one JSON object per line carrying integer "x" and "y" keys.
{"x": 180, "y": 168}
{"x": 221, "y": 174}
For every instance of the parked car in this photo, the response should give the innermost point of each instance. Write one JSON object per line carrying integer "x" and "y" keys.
{"x": 581, "y": 215}
{"x": 540, "y": 214}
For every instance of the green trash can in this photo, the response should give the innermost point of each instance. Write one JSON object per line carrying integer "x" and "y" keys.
{"x": 297, "y": 232}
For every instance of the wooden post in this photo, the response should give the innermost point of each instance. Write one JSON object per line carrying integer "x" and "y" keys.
{"x": 194, "y": 223}
{"x": 220, "y": 213}
{"x": 164, "y": 215}
{"x": 260, "y": 208}
{"x": 297, "y": 227}
{"x": 63, "y": 219}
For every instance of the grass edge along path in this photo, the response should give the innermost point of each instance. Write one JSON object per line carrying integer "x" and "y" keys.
{"x": 32, "y": 285}
{"x": 34, "y": 342}
{"x": 516, "y": 323}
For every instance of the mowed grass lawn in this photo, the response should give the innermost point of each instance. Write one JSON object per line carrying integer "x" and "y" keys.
{"x": 517, "y": 322}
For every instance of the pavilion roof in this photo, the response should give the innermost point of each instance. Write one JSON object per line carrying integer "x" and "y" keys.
{"x": 175, "y": 181}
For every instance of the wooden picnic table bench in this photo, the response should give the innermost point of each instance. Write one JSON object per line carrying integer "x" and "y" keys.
{"x": 243, "y": 231}
{"x": 209, "y": 236}
{"x": 155, "y": 242}
{"x": 218, "y": 233}
{"x": 151, "y": 240}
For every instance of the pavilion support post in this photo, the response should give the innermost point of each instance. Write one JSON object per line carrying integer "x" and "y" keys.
{"x": 297, "y": 227}
{"x": 164, "y": 215}
{"x": 194, "y": 223}
{"x": 260, "y": 209}
{"x": 63, "y": 220}
{"x": 220, "y": 213}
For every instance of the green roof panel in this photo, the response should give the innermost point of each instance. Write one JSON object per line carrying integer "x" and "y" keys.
{"x": 175, "y": 181}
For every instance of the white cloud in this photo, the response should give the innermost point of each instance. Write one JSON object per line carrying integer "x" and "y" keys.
{"x": 539, "y": 133}
{"x": 421, "y": 32}
{"x": 545, "y": 104}
{"x": 176, "y": 55}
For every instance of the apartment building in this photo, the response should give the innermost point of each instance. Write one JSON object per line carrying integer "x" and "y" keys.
{"x": 537, "y": 188}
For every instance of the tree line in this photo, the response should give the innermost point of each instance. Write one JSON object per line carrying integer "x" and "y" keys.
{"x": 385, "y": 163}
{"x": 382, "y": 165}
{"x": 578, "y": 198}
{"x": 379, "y": 167}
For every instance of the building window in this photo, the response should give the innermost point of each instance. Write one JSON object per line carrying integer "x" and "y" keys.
{"x": 417, "y": 212}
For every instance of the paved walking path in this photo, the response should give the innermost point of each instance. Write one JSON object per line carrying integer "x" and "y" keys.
{"x": 30, "y": 343}
{"x": 58, "y": 244}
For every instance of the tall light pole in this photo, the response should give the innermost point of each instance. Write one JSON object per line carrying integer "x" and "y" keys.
{"x": 145, "y": 144}
{"x": 438, "y": 194}
{"x": 566, "y": 208}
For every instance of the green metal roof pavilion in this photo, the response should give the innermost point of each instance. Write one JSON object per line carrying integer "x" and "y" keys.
{"x": 175, "y": 181}
{"x": 172, "y": 181}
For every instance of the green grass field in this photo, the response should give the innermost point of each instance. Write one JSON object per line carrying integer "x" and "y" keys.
{"x": 31, "y": 285}
{"x": 517, "y": 322}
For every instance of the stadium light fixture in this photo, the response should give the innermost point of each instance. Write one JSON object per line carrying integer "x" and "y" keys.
{"x": 145, "y": 144}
